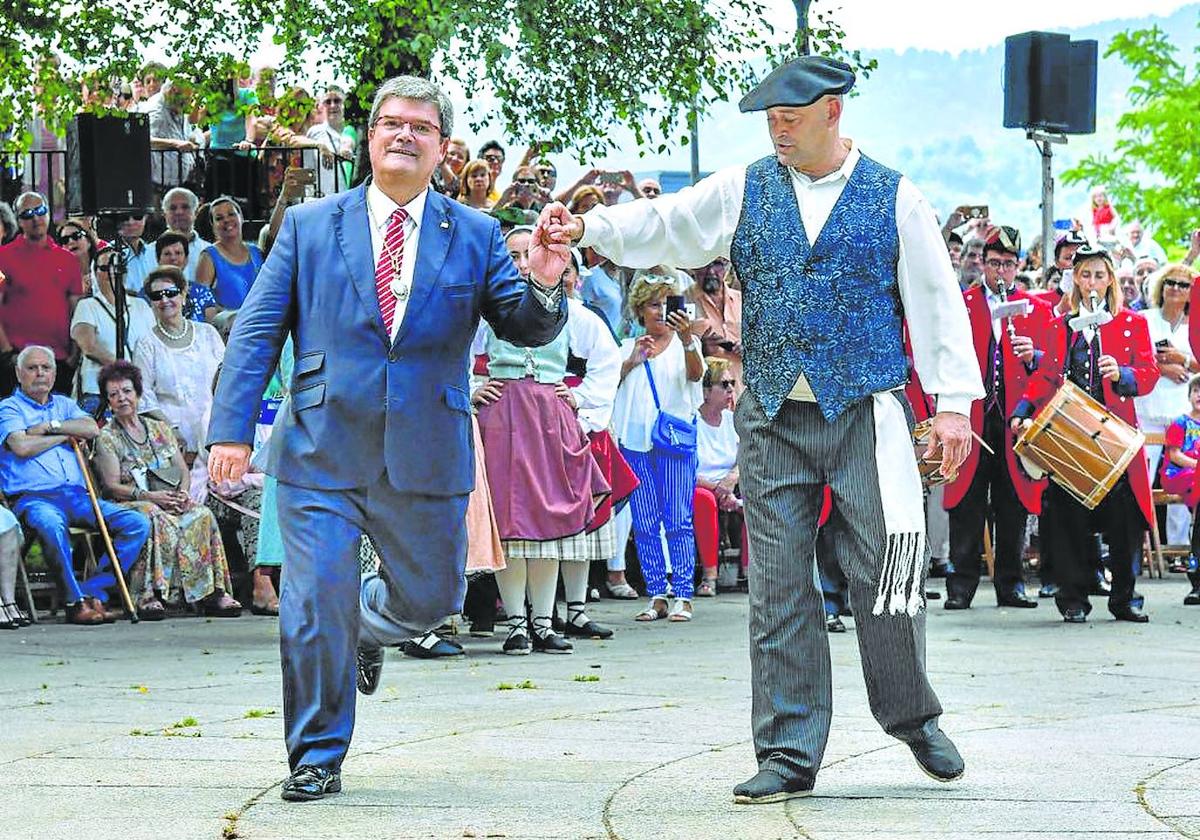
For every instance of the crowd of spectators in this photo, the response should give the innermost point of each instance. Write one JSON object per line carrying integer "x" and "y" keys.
{"x": 145, "y": 405}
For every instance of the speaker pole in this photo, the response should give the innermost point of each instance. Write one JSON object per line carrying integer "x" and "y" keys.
{"x": 1045, "y": 143}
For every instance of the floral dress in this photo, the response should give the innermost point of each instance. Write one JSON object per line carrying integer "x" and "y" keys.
{"x": 184, "y": 557}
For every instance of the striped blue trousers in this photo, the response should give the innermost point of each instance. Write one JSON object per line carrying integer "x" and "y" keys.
{"x": 785, "y": 462}
{"x": 664, "y": 498}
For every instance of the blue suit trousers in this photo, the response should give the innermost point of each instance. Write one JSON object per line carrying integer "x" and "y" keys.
{"x": 52, "y": 513}
{"x": 327, "y": 608}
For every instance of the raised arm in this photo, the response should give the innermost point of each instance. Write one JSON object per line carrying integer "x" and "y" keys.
{"x": 686, "y": 229}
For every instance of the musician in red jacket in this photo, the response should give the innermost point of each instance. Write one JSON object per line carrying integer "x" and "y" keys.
{"x": 1008, "y": 350}
{"x": 1113, "y": 362}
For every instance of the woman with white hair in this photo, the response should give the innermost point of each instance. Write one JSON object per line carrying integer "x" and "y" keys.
{"x": 657, "y": 400}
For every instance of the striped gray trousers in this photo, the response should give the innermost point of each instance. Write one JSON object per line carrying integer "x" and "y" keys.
{"x": 785, "y": 463}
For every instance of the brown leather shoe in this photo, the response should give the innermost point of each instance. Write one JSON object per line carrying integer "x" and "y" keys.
{"x": 81, "y": 612}
{"x": 109, "y": 616}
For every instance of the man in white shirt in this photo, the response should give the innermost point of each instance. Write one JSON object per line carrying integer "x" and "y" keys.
{"x": 179, "y": 209}
{"x": 823, "y": 290}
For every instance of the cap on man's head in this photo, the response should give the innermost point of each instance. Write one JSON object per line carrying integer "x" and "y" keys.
{"x": 1071, "y": 237}
{"x": 800, "y": 82}
{"x": 1004, "y": 238}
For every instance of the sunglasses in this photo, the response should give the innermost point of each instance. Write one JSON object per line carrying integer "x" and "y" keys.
{"x": 1176, "y": 284}
{"x": 40, "y": 210}
{"x": 332, "y": 101}
{"x": 164, "y": 294}
{"x": 135, "y": 217}
{"x": 494, "y": 158}
{"x": 529, "y": 182}
{"x": 72, "y": 237}
{"x": 728, "y": 384}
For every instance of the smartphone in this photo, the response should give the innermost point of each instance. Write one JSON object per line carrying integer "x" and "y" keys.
{"x": 675, "y": 303}
{"x": 1163, "y": 344}
{"x": 610, "y": 178}
{"x": 973, "y": 211}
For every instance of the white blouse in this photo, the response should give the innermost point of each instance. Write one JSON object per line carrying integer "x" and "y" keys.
{"x": 178, "y": 382}
{"x": 1169, "y": 399}
{"x": 717, "y": 447}
{"x": 634, "y": 414}
{"x": 98, "y": 313}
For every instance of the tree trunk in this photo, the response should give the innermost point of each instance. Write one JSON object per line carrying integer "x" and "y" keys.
{"x": 802, "y": 42}
{"x": 375, "y": 67}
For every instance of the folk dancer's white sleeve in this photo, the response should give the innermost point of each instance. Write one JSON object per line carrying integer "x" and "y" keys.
{"x": 590, "y": 339}
{"x": 686, "y": 229}
{"x": 938, "y": 325}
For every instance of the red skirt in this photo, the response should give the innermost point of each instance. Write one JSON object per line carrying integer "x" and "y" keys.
{"x": 545, "y": 482}
{"x": 616, "y": 471}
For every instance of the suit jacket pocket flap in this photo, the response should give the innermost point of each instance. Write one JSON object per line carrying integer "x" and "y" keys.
{"x": 310, "y": 363}
{"x": 457, "y": 399}
{"x": 308, "y": 397}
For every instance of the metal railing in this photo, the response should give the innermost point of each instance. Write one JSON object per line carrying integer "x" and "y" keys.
{"x": 253, "y": 177}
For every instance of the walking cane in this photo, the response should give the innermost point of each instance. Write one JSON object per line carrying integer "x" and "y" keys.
{"x": 112, "y": 554}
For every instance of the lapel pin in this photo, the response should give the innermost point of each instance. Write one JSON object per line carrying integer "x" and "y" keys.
{"x": 445, "y": 225}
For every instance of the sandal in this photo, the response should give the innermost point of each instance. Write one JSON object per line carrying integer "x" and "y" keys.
{"x": 621, "y": 591}
{"x": 152, "y": 610}
{"x": 652, "y": 613}
{"x": 220, "y": 606}
{"x": 707, "y": 588}
{"x": 264, "y": 609}
{"x": 681, "y": 610}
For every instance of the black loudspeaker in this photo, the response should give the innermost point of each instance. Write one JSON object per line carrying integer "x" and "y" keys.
{"x": 108, "y": 164}
{"x": 1049, "y": 83}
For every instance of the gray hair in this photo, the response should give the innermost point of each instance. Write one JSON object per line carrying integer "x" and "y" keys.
{"x": 30, "y": 194}
{"x": 30, "y": 350}
{"x": 420, "y": 89}
{"x": 184, "y": 191}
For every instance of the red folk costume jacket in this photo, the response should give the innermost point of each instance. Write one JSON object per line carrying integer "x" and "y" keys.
{"x": 1016, "y": 378}
{"x": 1127, "y": 339}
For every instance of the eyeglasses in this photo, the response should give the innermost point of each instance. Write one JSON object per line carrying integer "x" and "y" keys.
{"x": 494, "y": 158}
{"x": 26, "y": 215}
{"x": 164, "y": 294}
{"x": 1176, "y": 284}
{"x": 333, "y": 101}
{"x": 72, "y": 237}
{"x": 419, "y": 128}
{"x": 1003, "y": 265}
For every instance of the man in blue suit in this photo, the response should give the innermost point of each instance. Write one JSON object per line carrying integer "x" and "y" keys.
{"x": 381, "y": 288}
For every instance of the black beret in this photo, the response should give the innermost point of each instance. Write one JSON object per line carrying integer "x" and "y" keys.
{"x": 800, "y": 82}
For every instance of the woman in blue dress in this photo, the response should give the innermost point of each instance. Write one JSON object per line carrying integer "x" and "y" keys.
{"x": 228, "y": 267}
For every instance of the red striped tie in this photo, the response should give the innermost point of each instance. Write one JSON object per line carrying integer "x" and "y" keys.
{"x": 391, "y": 257}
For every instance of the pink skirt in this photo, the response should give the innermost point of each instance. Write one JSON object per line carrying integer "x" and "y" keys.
{"x": 544, "y": 479}
{"x": 1183, "y": 484}
{"x": 484, "y": 552}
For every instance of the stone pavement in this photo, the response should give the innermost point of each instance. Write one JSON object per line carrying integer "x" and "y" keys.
{"x": 173, "y": 730}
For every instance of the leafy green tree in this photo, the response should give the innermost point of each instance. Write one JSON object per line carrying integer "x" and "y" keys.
{"x": 1155, "y": 165}
{"x": 562, "y": 71}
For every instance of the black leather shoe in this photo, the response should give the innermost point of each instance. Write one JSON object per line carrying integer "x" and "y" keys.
{"x": 1074, "y": 615}
{"x": 369, "y": 667}
{"x": 938, "y": 757}
{"x": 833, "y": 624}
{"x": 767, "y": 786}
{"x": 1192, "y": 599}
{"x": 1101, "y": 587}
{"x": 588, "y": 630}
{"x": 956, "y": 602}
{"x": 1016, "y": 599}
{"x": 1130, "y": 613}
{"x": 431, "y": 646}
{"x": 1048, "y": 590}
{"x": 308, "y": 783}
{"x": 938, "y": 568}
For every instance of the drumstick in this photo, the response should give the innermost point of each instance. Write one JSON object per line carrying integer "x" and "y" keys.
{"x": 983, "y": 443}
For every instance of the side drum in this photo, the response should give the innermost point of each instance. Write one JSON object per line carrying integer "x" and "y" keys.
{"x": 1079, "y": 444}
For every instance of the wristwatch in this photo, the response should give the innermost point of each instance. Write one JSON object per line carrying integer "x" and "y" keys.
{"x": 55, "y": 426}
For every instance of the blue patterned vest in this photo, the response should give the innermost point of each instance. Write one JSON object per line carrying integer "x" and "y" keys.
{"x": 831, "y": 310}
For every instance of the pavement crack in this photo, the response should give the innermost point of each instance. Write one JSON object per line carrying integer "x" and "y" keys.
{"x": 606, "y": 814}
{"x": 1140, "y": 791}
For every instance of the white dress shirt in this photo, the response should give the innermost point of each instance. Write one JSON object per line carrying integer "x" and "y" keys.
{"x": 696, "y": 225}
{"x": 379, "y": 210}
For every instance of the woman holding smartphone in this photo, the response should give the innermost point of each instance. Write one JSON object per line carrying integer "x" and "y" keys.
{"x": 661, "y": 372}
